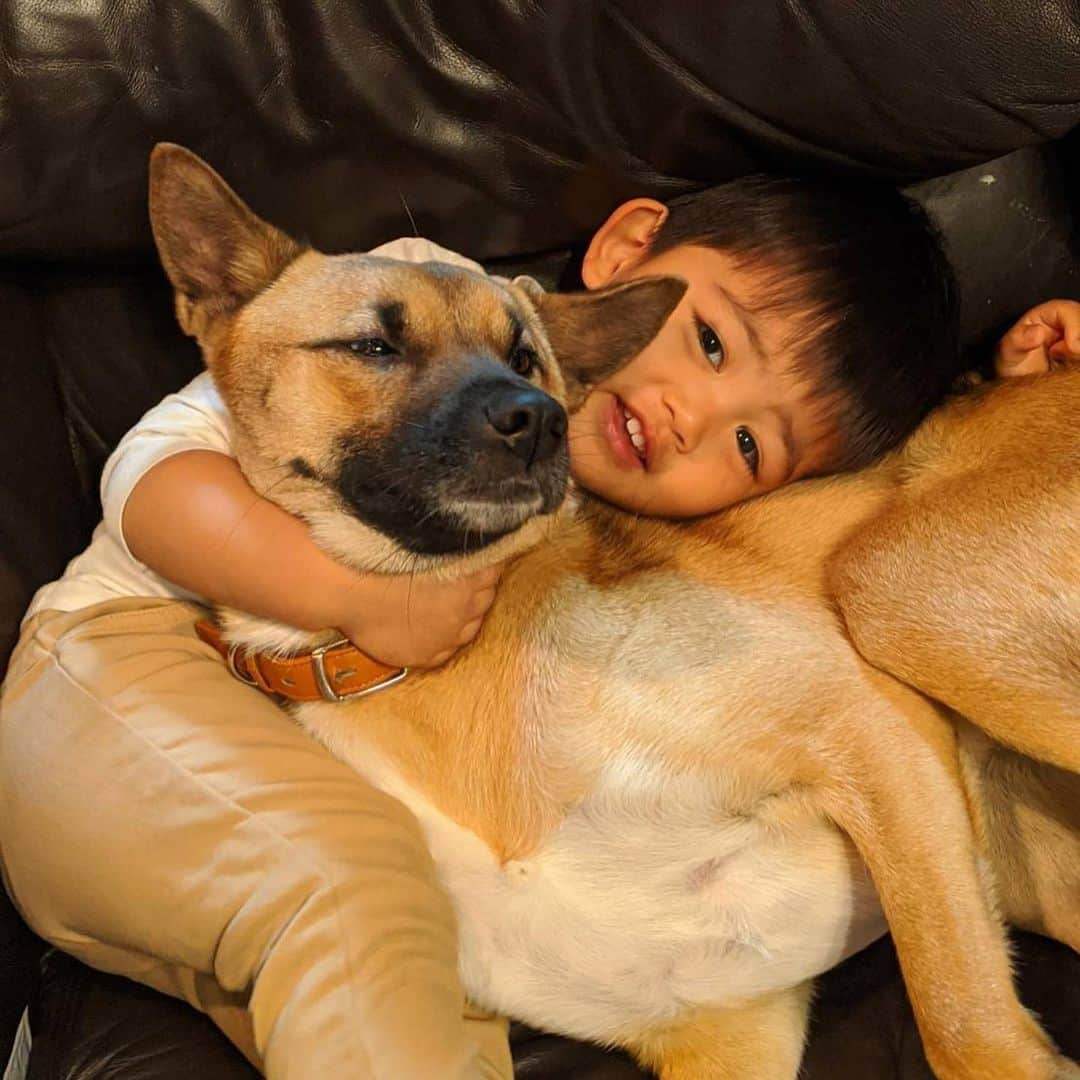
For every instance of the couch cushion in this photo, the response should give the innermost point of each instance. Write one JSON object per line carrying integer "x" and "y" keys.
{"x": 100, "y": 1027}
{"x": 94, "y": 1026}
{"x": 20, "y": 951}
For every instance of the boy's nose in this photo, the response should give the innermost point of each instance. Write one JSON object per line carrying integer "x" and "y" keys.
{"x": 687, "y": 419}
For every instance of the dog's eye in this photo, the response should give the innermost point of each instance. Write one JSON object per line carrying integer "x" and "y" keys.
{"x": 371, "y": 346}
{"x": 523, "y": 361}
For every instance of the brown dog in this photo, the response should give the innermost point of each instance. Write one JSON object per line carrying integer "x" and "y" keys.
{"x": 654, "y": 783}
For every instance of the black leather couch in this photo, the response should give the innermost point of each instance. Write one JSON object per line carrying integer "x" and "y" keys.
{"x": 506, "y": 129}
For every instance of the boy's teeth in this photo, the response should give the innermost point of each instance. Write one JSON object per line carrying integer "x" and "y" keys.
{"x": 633, "y": 430}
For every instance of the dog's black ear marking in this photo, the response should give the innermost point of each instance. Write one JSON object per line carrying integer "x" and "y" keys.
{"x": 216, "y": 252}
{"x": 392, "y": 317}
{"x": 595, "y": 333}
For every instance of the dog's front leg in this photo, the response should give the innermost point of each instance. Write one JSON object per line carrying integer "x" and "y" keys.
{"x": 762, "y": 1040}
{"x": 897, "y": 793}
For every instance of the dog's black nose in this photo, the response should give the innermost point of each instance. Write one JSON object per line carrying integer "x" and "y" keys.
{"x": 531, "y": 424}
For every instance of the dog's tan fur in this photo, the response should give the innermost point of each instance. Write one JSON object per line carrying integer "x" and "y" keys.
{"x": 952, "y": 566}
{"x": 988, "y": 517}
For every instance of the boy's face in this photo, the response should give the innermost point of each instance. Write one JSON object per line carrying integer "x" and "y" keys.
{"x": 716, "y": 413}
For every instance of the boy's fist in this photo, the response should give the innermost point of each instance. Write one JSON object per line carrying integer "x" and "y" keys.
{"x": 1047, "y": 335}
{"x": 416, "y": 621}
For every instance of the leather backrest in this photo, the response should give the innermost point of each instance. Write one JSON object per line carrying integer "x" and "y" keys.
{"x": 500, "y": 126}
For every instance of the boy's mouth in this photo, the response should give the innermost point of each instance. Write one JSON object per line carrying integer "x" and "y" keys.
{"x": 626, "y": 435}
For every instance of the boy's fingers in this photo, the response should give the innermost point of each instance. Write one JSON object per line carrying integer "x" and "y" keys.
{"x": 480, "y": 579}
{"x": 1066, "y": 350}
{"x": 1072, "y": 333}
{"x": 1047, "y": 333}
{"x": 1012, "y": 363}
{"x": 1031, "y": 336}
{"x": 1061, "y": 317}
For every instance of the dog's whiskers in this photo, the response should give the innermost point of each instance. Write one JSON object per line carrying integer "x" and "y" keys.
{"x": 412, "y": 220}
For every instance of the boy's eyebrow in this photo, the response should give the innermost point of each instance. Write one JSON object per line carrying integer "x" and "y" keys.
{"x": 746, "y": 319}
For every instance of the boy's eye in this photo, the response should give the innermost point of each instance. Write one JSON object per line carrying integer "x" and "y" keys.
{"x": 711, "y": 345}
{"x": 749, "y": 449}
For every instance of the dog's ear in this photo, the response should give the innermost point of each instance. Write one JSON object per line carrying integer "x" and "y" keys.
{"x": 215, "y": 251}
{"x": 596, "y": 333}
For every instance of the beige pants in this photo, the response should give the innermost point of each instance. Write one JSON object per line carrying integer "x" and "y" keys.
{"x": 161, "y": 820}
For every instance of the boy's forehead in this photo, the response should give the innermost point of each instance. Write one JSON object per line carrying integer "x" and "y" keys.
{"x": 700, "y": 262}
{"x": 755, "y": 290}
{"x": 750, "y": 292}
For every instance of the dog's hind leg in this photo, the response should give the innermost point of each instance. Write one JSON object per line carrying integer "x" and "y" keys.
{"x": 762, "y": 1040}
{"x": 968, "y": 586}
{"x": 894, "y": 785}
{"x": 993, "y": 635}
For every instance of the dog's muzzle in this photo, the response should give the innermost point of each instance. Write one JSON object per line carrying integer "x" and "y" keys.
{"x": 505, "y": 456}
{"x": 456, "y": 474}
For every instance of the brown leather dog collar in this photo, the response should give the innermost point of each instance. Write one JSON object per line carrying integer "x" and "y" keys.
{"x": 335, "y": 672}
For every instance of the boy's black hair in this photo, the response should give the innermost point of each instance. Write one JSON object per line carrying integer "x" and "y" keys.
{"x": 860, "y": 271}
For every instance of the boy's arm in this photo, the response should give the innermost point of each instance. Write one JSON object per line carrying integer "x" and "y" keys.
{"x": 176, "y": 499}
{"x": 194, "y": 519}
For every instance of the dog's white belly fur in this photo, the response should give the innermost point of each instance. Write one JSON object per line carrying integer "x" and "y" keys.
{"x": 622, "y": 919}
{"x": 653, "y": 895}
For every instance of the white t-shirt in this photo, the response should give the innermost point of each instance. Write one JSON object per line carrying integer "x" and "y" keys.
{"x": 194, "y": 418}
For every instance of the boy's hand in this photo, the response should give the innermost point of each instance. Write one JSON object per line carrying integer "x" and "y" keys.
{"x": 1047, "y": 335}
{"x": 417, "y": 621}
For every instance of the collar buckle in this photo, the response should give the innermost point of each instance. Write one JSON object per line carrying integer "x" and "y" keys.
{"x": 325, "y": 685}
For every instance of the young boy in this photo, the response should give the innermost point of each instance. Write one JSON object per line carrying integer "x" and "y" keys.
{"x": 163, "y": 820}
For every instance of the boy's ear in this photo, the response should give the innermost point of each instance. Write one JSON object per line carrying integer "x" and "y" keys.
{"x": 595, "y": 333}
{"x": 215, "y": 251}
{"x": 623, "y": 241}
